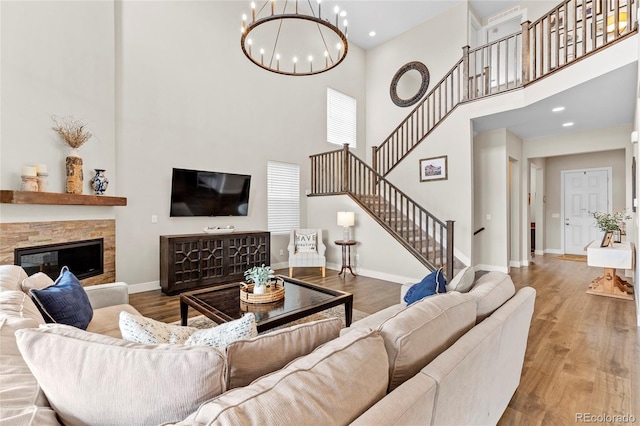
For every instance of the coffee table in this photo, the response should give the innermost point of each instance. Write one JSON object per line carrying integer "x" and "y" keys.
{"x": 222, "y": 303}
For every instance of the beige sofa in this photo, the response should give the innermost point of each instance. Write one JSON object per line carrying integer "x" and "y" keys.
{"x": 448, "y": 359}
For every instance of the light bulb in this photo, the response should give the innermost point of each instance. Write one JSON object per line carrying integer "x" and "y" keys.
{"x": 345, "y": 23}
{"x": 249, "y": 41}
{"x": 277, "y": 56}
{"x": 295, "y": 59}
{"x": 310, "y": 58}
{"x": 343, "y": 13}
{"x": 253, "y": 5}
{"x": 262, "y": 51}
{"x": 244, "y": 16}
{"x": 338, "y": 46}
{"x": 326, "y": 53}
{"x": 336, "y": 9}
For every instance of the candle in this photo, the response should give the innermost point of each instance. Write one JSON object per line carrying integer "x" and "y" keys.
{"x": 41, "y": 168}
{"x": 29, "y": 171}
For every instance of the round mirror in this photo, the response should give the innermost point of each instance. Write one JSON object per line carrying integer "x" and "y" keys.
{"x": 409, "y": 84}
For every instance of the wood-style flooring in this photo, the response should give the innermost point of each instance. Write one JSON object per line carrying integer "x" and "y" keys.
{"x": 583, "y": 353}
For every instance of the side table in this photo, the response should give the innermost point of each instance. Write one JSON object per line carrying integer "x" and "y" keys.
{"x": 620, "y": 256}
{"x": 346, "y": 256}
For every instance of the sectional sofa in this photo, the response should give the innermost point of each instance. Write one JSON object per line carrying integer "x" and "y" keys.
{"x": 454, "y": 358}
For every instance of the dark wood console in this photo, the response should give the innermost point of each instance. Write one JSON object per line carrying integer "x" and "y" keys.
{"x": 193, "y": 261}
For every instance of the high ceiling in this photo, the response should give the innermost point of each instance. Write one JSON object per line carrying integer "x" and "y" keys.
{"x": 390, "y": 18}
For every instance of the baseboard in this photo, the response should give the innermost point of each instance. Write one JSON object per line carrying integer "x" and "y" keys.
{"x": 553, "y": 251}
{"x": 142, "y": 287}
{"x": 539, "y": 252}
{"x": 376, "y": 274}
{"x": 280, "y": 265}
{"x": 514, "y": 264}
{"x": 491, "y": 268}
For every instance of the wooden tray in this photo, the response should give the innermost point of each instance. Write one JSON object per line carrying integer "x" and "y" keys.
{"x": 276, "y": 293}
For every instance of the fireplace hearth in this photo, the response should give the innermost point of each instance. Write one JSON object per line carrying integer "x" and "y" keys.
{"x": 84, "y": 258}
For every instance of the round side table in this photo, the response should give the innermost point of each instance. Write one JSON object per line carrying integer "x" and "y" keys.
{"x": 346, "y": 256}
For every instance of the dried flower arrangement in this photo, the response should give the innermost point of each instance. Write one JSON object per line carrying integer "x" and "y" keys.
{"x": 72, "y": 131}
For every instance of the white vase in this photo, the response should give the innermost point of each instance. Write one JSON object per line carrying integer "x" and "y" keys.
{"x": 259, "y": 289}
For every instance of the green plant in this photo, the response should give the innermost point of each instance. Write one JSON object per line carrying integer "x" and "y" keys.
{"x": 610, "y": 221}
{"x": 259, "y": 275}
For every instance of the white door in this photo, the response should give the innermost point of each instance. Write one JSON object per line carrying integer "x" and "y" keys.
{"x": 585, "y": 192}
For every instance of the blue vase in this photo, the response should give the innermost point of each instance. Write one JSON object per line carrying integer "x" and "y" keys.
{"x": 99, "y": 182}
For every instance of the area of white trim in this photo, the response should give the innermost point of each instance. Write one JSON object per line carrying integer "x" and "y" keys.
{"x": 483, "y": 267}
{"x": 142, "y": 287}
{"x": 553, "y": 251}
{"x": 514, "y": 264}
{"x": 539, "y": 252}
{"x": 378, "y": 275}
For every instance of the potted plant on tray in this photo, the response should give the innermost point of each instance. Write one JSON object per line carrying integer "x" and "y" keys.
{"x": 260, "y": 276}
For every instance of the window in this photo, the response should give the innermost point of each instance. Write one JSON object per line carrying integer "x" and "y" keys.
{"x": 283, "y": 197}
{"x": 341, "y": 118}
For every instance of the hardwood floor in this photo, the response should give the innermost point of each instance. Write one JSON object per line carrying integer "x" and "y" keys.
{"x": 583, "y": 353}
{"x": 369, "y": 294}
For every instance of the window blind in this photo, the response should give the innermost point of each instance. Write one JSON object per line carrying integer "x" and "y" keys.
{"x": 283, "y": 197}
{"x": 341, "y": 118}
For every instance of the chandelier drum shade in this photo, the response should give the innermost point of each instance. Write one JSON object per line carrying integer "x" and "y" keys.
{"x": 294, "y": 37}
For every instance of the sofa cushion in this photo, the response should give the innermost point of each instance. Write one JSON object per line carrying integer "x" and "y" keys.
{"x": 119, "y": 382}
{"x": 248, "y": 359}
{"x": 65, "y": 302}
{"x": 463, "y": 281}
{"x": 11, "y": 277}
{"x": 17, "y": 303}
{"x": 434, "y": 283}
{"x": 491, "y": 291}
{"x": 105, "y": 320}
{"x": 332, "y": 385}
{"x": 22, "y": 400}
{"x": 416, "y": 335}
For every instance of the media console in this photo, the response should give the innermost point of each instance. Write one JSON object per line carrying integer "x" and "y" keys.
{"x": 193, "y": 261}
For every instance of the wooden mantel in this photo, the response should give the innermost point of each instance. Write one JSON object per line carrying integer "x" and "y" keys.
{"x": 54, "y": 198}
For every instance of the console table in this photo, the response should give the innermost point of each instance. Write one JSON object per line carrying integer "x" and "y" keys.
{"x": 346, "y": 256}
{"x": 192, "y": 261}
{"x": 620, "y": 256}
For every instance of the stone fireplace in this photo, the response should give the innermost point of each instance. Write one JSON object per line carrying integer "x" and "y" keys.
{"x": 41, "y": 242}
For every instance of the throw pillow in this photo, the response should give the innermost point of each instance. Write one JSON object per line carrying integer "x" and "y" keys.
{"x": 91, "y": 379}
{"x": 434, "y": 283}
{"x": 147, "y": 331}
{"x": 463, "y": 281}
{"x": 222, "y": 335}
{"x": 38, "y": 281}
{"x": 306, "y": 243}
{"x": 65, "y": 302}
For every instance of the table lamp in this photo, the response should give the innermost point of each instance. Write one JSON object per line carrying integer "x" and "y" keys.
{"x": 346, "y": 219}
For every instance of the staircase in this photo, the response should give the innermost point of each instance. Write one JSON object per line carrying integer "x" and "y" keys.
{"x": 507, "y": 64}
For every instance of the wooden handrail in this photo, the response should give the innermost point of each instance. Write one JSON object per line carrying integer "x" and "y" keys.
{"x": 568, "y": 33}
{"x": 555, "y": 40}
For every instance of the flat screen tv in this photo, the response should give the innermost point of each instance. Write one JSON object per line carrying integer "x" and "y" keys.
{"x": 202, "y": 193}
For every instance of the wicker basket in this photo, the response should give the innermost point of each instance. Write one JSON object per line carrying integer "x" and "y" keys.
{"x": 274, "y": 293}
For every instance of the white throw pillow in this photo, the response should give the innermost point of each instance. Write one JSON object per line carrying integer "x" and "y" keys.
{"x": 37, "y": 281}
{"x": 306, "y": 243}
{"x": 91, "y": 379}
{"x": 463, "y": 281}
{"x": 147, "y": 331}
{"x": 139, "y": 329}
{"x": 222, "y": 335}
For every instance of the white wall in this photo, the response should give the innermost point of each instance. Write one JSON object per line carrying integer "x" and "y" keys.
{"x": 191, "y": 99}
{"x": 57, "y": 58}
{"x": 377, "y": 253}
{"x": 437, "y": 43}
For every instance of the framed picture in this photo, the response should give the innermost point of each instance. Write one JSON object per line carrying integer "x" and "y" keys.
{"x": 608, "y": 235}
{"x": 434, "y": 168}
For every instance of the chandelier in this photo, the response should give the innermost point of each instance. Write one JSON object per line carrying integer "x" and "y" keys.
{"x": 293, "y": 38}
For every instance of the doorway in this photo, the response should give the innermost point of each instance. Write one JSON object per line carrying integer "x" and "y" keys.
{"x": 584, "y": 192}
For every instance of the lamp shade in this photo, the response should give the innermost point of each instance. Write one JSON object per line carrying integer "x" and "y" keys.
{"x": 346, "y": 218}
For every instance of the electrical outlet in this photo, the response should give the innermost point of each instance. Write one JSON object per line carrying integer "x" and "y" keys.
{"x": 281, "y": 252}
{"x": 154, "y": 218}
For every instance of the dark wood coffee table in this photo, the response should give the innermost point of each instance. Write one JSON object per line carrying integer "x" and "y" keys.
{"x": 222, "y": 303}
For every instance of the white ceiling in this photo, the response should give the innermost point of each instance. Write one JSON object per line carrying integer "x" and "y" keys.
{"x": 390, "y": 18}
{"x": 602, "y": 102}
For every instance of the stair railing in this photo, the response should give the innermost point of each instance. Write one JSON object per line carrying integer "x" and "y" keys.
{"x": 428, "y": 238}
{"x": 569, "y": 32}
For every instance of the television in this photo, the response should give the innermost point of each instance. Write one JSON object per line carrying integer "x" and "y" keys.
{"x": 202, "y": 193}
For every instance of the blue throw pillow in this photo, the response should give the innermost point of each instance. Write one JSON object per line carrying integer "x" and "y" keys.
{"x": 434, "y": 283}
{"x": 64, "y": 302}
